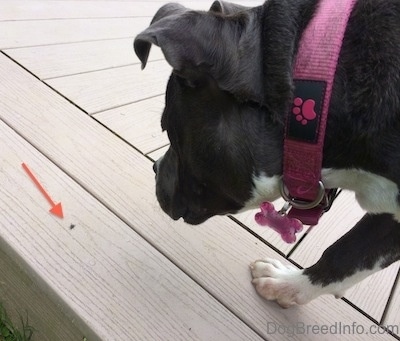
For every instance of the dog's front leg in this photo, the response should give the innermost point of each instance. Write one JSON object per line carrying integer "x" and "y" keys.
{"x": 371, "y": 245}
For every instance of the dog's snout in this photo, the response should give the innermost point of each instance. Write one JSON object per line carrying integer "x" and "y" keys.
{"x": 155, "y": 167}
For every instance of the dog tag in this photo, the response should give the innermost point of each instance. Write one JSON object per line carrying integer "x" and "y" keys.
{"x": 286, "y": 226}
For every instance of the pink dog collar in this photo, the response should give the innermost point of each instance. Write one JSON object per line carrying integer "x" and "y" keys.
{"x": 314, "y": 72}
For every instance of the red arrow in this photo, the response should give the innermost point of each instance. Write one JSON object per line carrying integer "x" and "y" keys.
{"x": 56, "y": 209}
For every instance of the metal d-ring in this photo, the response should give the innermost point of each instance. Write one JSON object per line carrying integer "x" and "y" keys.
{"x": 301, "y": 204}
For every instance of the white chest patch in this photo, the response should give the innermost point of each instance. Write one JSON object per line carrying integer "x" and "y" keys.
{"x": 374, "y": 193}
{"x": 265, "y": 189}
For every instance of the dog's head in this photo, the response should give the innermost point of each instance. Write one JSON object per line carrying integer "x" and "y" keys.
{"x": 220, "y": 130}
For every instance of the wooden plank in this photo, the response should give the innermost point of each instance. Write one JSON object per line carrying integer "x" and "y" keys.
{"x": 392, "y": 318}
{"x": 216, "y": 254}
{"x": 155, "y": 155}
{"x": 33, "y": 9}
{"x": 40, "y": 10}
{"x": 101, "y": 269}
{"x": 138, "y": 123}
{"x": 23, "y": 298}
{"x": 371, "y": 294}
{"x": 46, "y": 32}
{"x": 53, "y": 61}
{"x": 102, "y": 90}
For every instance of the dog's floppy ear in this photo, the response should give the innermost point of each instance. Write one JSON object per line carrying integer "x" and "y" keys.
{"x": 191, "y": 41}
{"x": 157, "y": 34}
{"x": 200, "y": 44}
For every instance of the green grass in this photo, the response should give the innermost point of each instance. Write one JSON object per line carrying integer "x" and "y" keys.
{"x": 10, "y": 333}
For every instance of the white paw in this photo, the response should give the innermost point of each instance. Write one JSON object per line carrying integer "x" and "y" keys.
{"x": 282, "y": 283}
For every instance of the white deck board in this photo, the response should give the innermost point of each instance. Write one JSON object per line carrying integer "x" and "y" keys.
{"x": 74, "y": 21}
{"x": 393, "y": 315}
{"x": 46, "y": 32}
{"x": 20, "y": 295}
{"x": 105, "y": 272}
{"x": 32, "y": 9}
{"x": 155, "y": 155}
{"x": 102, "y": 90}
{"x": 51, "y": 61}
{"x": 215, "y": 255}
{"x": 41, "y": 10}
{"x": 371, "y": 295}
{"x": 138, "y": 123}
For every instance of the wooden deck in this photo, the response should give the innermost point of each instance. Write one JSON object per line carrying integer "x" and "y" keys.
{"x": 77, "y": 109}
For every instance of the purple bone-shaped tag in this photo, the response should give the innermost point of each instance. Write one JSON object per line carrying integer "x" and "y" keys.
{"x": 281, "y": 223}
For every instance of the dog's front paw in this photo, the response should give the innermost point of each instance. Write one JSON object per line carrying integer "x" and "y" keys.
{"x": 283, "y": 283}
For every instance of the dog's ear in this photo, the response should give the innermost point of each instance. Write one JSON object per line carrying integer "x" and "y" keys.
{"x": 157, "y": 32}
{"x": 201, "y": 44}
{"x": 188, "y": 39}
{"x": 226, "y": 8}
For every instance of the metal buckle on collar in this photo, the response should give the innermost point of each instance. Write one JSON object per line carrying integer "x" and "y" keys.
{"x": 301, "y": 204}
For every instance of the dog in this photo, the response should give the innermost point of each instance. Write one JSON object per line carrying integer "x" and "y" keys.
{"x": 225, "y": 109}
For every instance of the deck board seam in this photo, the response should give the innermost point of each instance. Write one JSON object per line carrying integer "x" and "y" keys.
{"x": 76, "y": 105}
{"x": 390, "y": 299}
{"x": 101, "y": 69}
{"x": 65, "y": 43}
{"x": 125, "y": 104}
{"x": 3, "y": 48}
{"x": 152, "y": 151}
{"x": 77, "y": 18}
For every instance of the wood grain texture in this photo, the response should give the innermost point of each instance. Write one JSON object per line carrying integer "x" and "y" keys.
{"x": 101, "y": 269}
{"x": 53, "y": 61}
{"x": 371, "y": 294}
{"x": 216, "y": 254}
{"x": 102, "y": 90}
{"x": 33, "y": 9}
{"x": 392, "y": 318}
{"x": 40, "y": 10}
{"x": 155, "y": 155}
{"x": 46, "y": 32}
{"x": 138, "y": 123}
{"x": 22, "y": 297}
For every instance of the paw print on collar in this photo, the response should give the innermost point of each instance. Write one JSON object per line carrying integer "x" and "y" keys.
{"x": 304, "y": 110}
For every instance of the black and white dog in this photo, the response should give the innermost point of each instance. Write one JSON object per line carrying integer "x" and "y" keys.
{"x": 226, "y": 102}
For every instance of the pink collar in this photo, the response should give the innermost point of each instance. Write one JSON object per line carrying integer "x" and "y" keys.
{"x": 314, "y": 72}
